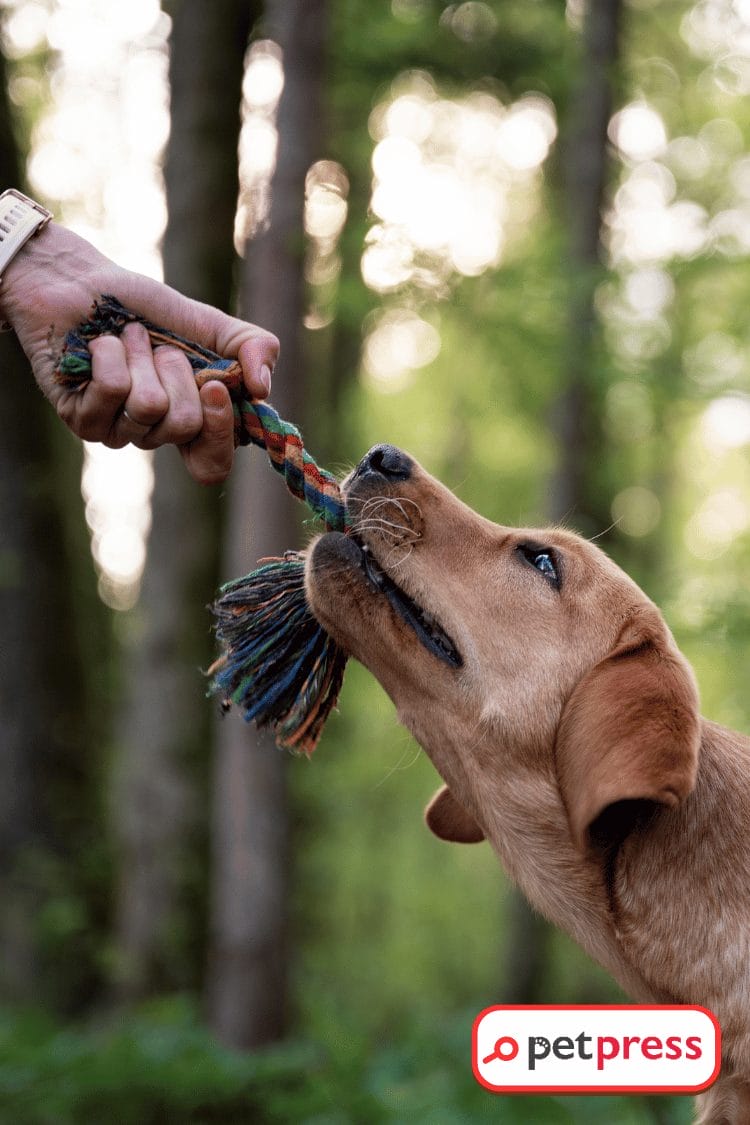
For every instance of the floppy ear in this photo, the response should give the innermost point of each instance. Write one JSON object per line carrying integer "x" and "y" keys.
{"x": 450, "y": 821}
{"x": 629, "y": 733}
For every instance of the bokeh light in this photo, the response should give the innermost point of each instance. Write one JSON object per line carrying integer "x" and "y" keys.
{"x": 636, "y": 511}
{"x": 717, "y": 523}
{"x": 638, "y": 131}
{"x": 445, "y": 176}
{"x": 726, "y": 423}
{"x": 397, "y": 345}
{"x": 116, "y": 487}
{"x": 262, "y": 85}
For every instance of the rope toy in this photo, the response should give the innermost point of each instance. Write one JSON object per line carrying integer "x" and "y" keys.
{"x": 277, "y": 665}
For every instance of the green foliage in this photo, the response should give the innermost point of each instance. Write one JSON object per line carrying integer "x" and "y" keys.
{"x": 161, "y": 1067}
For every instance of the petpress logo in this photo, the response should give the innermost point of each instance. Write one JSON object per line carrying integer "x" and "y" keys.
{"x": 602, "y": 1049}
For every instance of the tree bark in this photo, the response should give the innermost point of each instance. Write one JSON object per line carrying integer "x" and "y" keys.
{"x": 574, "y": 494}
{"x": 577, "y": 420}
{"x": 247, "y": 972}
{"x": 165, "y": 728}
{"x": 50, "y": 639}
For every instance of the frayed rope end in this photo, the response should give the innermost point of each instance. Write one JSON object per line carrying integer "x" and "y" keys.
{"x": 279, "y": 667}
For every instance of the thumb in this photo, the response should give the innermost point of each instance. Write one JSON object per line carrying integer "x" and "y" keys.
{"x": 232, "y": 338}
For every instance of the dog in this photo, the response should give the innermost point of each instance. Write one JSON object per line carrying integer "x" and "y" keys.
{"x": 551, "y": 697}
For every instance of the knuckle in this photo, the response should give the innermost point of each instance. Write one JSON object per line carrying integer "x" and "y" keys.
{"x": 136, "y": 339}
{"x": 114, "y": 387}
{"x": 272, "y": 344}
{"x": 109, "y": 368}
{"x": 148, "y": 405}
{"x": 105, "y": 345}
{"x": 66, "y": 412}
{"x": 263, "y": 345}
{"x": 171, "y": 360}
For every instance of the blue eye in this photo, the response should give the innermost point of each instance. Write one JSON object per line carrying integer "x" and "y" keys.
{"x": 544, "y": 562}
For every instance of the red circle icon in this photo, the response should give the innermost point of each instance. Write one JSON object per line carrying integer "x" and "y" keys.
{"x": 506, "y": 1048}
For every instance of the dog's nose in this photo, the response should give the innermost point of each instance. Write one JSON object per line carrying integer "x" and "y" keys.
{"x": 386, "y": 461}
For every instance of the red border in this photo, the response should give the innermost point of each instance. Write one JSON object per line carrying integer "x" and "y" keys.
{"x": 595, "y": 1089}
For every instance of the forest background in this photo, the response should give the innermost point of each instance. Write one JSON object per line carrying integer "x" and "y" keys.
{"x": 510, "y": 236}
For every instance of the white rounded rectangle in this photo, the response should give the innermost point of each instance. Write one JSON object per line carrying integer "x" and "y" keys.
{"x": 602, "y": 1048}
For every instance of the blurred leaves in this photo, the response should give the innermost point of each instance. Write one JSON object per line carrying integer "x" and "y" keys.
{"x": 158, "y": 1066}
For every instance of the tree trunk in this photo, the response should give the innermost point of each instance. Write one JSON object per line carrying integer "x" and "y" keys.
{"x": 577, "y": 420}
{"x": 574, "y": 495}
{"x": 247, "y": 972}
{"x": 50, "y": 639}
{"x": 165, "y": 730}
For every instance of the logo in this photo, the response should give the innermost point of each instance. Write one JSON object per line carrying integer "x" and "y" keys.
{"x": 604, "y": 1049}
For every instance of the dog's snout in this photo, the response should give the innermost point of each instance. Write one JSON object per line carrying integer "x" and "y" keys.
{"x": 387, "y": 461}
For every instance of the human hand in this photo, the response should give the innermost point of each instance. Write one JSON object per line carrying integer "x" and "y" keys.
{"x": 136, "y": 395}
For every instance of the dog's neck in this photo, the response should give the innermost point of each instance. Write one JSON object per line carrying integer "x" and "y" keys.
{"x": 516, "y": 801}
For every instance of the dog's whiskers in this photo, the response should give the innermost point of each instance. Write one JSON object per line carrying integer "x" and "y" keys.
{"x": 387, "y": 527}
{"x": 399, "y": 562}
{"x": 399, "y": 767}
{"x": 606, "y": 531}
{"x": 377, "y": 503}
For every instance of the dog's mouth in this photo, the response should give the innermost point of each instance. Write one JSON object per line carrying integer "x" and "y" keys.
{"x": 427, "y": 628}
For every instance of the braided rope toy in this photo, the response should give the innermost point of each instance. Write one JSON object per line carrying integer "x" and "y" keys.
{"x": 277, "y": 665}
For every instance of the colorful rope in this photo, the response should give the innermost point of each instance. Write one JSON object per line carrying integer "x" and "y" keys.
{"x": 256, "y": 423}
{"x": 277, "y": 664}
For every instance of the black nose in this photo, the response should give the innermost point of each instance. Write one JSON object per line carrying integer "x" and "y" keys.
{"x": 386, "y": 461}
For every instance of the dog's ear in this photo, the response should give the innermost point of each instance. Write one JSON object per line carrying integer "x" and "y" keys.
{"x": 629, "y": 735}
{"x": 450, "y": 821}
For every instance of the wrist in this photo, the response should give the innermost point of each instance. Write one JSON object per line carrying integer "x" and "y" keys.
{"x": 54, "y": 258}
{"x": 21, "y": 219}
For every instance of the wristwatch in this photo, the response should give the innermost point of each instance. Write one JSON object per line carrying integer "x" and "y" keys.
{"x": 20, "y": 218}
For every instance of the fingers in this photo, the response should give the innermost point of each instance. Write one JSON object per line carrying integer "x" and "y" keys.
{"x": 183, "y": 418}
{"x": 162, "y": 405}
{"x": 256, "y": 349}
{"x": 149, "y": 398}
{"x": 258, "y": 354}
{"x": 209, "y": 456}
{"x": 125, "y": 397}
{"x": 200, "y": 423}
{"x": 92, "y": 413}
{"x": 147, "y": 402}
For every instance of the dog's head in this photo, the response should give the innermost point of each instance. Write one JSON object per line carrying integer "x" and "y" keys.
{"x": 495, "y": 641}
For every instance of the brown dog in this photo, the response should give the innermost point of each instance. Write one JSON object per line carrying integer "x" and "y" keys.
{"x": 549, "y": 694}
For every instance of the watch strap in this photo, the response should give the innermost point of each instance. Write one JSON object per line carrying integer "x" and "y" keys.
{"x": 20, "y": 218}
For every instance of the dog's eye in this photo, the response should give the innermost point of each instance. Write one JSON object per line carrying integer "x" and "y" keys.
{"x": 543, "y": 561}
